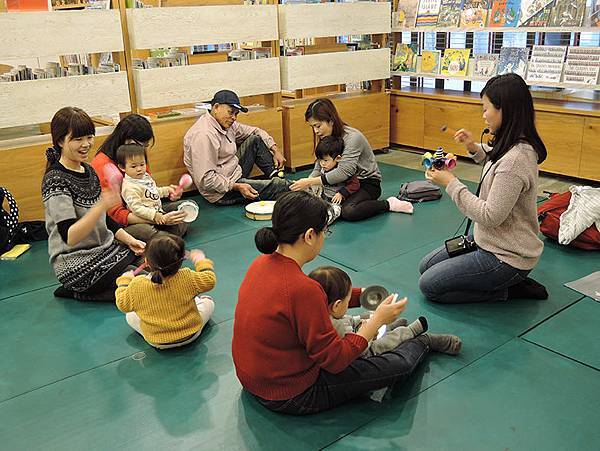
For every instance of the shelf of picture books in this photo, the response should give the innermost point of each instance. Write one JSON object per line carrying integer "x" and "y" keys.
{"x": 176, "y": 62}
{"x": 546, "y": 67}
{"x": 84, "y": 67}
{"x": 496, "y": 15}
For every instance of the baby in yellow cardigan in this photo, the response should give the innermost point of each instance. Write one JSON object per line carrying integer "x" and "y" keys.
{"x": 164, "y": 306}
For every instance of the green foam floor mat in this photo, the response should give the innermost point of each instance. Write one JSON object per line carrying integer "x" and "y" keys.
{"x": 519, "y": 397}
{"x": 572, "y": 333}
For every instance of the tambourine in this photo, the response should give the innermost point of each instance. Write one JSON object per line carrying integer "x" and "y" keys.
{"x": 372, "y": 296}
{"x": 261, "y": 210}
{"x": 191, "y": 210}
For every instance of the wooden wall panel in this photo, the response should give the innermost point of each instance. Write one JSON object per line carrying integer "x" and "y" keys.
{"x": 407, "y": 118}
{"x": 589, "y": 166}
{"x": 26, "y": 35}
{"x": 333, "y": 19}
{"x": 309, "y": 71}
{"x": 96, "y": 94}
{"x": 562, "y": 134}
{"x": 184, "y": 26}
{"x": 178, "y": 85}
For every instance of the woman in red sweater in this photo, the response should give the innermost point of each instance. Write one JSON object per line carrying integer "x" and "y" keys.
{"x": 132, "y": 129}
{"x": 285, "y": 349}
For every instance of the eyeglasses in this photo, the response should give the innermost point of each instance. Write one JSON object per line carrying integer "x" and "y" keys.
{"x": 145, "y": 145}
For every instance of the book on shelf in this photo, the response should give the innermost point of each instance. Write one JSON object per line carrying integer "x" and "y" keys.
{"x": 582, "y": 65}
{"x": 474, "y": 13}
{"x": 428, "y": 13}
{"x": 567, "y": 13}
{"x": 529, "y": 9}
{"x": 504, "y": 13}
{"x": 486, "y": 65}
{"x": 592, "y": 14}
{"x": 541, "y": 19}
{"x": 405, "y": 58}
{"x": 546, "y": 64}
{"x": 455, "y": 62}
{"x": 406, "y": 13}
{"x": 430, "y": 61}
{"x": 513, "y": 60}
{"x": 450, "y": 11}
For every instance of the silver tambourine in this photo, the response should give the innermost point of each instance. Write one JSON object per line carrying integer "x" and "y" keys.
{"x": 372, "y": 296}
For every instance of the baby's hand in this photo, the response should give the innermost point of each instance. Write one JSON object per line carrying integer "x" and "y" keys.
{"x": 337, "y": 199}
{"x": 128, "y": 274}
{"x": 159, "y": 218}
{"x": 196, "y": 255}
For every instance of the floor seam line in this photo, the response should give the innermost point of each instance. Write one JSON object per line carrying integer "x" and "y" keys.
{"x": 550, "y": 317}
{"x": 572, "y": 359}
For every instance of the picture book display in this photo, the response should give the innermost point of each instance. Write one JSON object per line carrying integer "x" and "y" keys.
{"x": 546, "y": 63}
{"x": 405, "y": 58}
{"x": 430, "y": 61}
{"x": 486, "y": 65}
{"x": 474, "y": 13}
{"x": 406, "y": 13}
{"x": 567, "y": 13}
{"x": 455, "y": 62}
{"x": 582, "y": 65}
{"x": 592, "y": 14}
{"x": 513, "y": 60}
{"x": 450, "y": 11}
{"x": 529, "y": 9}
{"x": 541, "y": 18}
{"x": 428, "y": 12}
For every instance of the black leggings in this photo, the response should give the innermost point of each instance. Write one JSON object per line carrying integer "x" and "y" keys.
{"x": 363, "y": 204}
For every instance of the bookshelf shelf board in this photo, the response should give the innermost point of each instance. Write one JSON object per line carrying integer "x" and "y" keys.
{"x": 333, "y": 19}
{"x": 160, "y": 87}
{"x": 450, "y": 77}
{"x": 96, "y": 94}
{"x": 310, "y": 71}
{"x": 499, "y": 30}
{"x": 29, "y": 35}
{"x": 195, "y": 25}
{"x": 73, "y": 6}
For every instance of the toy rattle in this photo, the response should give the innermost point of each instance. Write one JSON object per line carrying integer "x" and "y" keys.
{"x": 439, "y": 160}
{"x": 184, "y": 182}
{"x": 114, "y": 177}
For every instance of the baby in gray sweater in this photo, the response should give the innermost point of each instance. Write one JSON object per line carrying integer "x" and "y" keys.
{"x": 338, "y": 287}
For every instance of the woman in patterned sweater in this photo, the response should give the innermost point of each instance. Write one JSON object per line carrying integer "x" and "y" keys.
{"x": 81, "y": 240}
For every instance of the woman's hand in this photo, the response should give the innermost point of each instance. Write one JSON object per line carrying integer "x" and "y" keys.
{"x": 387, "y": 312}
{"x": 465, "y": 137}
{"x": 442, "y": 178}
{"x": 109, "y": 199}
{"x": 304, "y": 183}
{"x": 136, "y": 246}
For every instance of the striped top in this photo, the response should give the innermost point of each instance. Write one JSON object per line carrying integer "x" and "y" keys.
{"x": 167, "y": 311}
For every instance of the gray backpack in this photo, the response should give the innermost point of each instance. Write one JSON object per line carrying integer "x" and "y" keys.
{"x": 419, "y": 191}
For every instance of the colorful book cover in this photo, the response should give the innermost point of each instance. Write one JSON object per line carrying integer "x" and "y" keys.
{"x": 513, "y": 60}
{"x": 486, "y": 65}
{"x": 497, "y": 14}
{"x": 529, "y": 8}
{"x": 450, "y": 13}
{"x": 430, "y": 61}
{"x": 540, "y": 19}
{"x": 513, "y": 12}
{"x": 428, "y": 12}
{"x": 592, "y": 14}
{"x": 455, "y": 62}
{"x": 405, "y": 59}
{"x": 567, "y": 13}
{"x": 406, "y": 14}
{"x": 475, "y": 13}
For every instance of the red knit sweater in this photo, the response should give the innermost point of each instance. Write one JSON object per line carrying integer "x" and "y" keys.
{"x": 120, "y": 212}
{"x": 282, "y": 332}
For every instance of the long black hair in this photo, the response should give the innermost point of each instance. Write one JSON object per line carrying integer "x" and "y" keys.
{"x": 295, "y": 212}
{"x": 510, "y": 94}
{"x": 133, "y": 127}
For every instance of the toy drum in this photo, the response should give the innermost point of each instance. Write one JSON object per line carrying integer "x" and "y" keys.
{"x": 261, "y": 210}
{"x": 190, "y": 208}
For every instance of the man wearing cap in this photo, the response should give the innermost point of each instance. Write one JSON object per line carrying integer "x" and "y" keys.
{"x": 219, "y": 153}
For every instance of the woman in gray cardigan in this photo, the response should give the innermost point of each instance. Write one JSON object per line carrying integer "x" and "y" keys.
{"x": 507, "y": 246}
{"x": 357, "y": 159}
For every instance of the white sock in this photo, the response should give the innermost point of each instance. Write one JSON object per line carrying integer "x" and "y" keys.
{"x": 400, "y": 206}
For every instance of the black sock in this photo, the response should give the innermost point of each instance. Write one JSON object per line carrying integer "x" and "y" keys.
{"x": 527, "y": 289}
{"x": 62, "y": 292}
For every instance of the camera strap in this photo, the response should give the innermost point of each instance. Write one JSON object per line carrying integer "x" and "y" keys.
{"x": 469, "y": 221}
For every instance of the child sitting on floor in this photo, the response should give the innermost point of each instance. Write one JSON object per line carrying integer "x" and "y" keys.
{"x": 142, "y": 196}
{"x": 338, "y": 288}
{"x": 163, "y": 306}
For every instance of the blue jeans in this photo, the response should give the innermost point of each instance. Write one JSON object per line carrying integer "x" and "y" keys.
{"x": 362, "y": 376}
{"x": 250, "y": 152}
{"x": 478, "y": 276}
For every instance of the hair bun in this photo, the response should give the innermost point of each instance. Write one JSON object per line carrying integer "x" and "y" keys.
{"x": 266, "y": 240}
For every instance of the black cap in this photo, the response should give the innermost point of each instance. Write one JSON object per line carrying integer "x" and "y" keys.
{"x": 228, "y": 98}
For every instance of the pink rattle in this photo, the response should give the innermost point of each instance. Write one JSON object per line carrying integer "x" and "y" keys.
{"x": 184, "y": 182}
{"x": 139, "y": 269}
{"x": 114, "y": 177}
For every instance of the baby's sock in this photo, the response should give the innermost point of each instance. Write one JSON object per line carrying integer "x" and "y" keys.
{"x": 400, "y": 206}
{"x": 418, "y": 326}
{"x": 446, "y": 343}
{"x": 527, "y": 289}
{"x": 398, "y": 323}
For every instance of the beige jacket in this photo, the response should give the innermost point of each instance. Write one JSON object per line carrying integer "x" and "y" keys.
{"x": 142, "y": 196}
{"x": 209, "y": 154}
